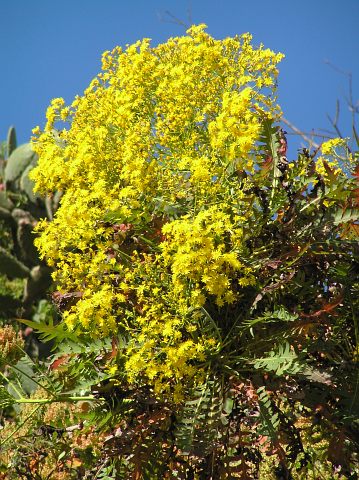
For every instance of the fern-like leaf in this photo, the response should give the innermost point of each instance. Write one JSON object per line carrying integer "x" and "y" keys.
{"x": 281, "y": 361}
{"x": 51, "y": 332}
{"x": 269, "y": 419}
{"x": 270, "y": 145}
{"x": 198, "y": 428}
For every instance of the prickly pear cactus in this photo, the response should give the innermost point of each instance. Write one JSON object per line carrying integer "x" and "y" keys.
{"x": 11, "y": 141}
{"x": 18, "y": 161}
{"x": 20, "y": 210}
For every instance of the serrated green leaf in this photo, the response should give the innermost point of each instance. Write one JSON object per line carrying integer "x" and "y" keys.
{"x": 282, "y": 361}
{"x": 49, "y": 331}
{"x": 344, "y": 216}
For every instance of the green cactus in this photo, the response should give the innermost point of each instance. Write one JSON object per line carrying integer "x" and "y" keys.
{"x": 11, "y": 141}
{"x": 27, "y": 185}
{"x": 11, "y": 266}
{"x": 5, "y": 214}
{"x": 5, "y": 201}
{"x": 18, "y": 161}
{"x": 20, "y": 209}
{"x": 25, "y": 236}
{"x": 9, "y": 304}
{"x": 38, "y": 282}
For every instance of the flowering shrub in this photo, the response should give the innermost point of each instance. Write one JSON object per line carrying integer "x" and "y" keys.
{"x": 152, "y": 219}
{"x": 208, "y": 284}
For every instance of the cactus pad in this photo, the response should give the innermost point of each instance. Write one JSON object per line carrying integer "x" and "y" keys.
{"x": 18, "y": 161}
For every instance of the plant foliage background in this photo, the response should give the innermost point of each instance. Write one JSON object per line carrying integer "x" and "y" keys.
{"x": 206, "y": 283}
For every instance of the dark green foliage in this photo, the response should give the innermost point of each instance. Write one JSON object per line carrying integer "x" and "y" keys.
{"x": 281, "y": 360}
{"x": 269, "y": 420}
{"x": 9, "y": 304}
{"x": 10, "y": 266}
{"x": 5, "y": 202}
{"x": 200, "y": 422}
{"x": 20, "y": 209}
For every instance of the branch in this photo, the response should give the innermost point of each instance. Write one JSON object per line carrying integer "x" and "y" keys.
{"x": 168, "y": 17}
{"x": 302, "y": 134}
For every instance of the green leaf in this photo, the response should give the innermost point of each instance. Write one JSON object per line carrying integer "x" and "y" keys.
{"x": 269, "y": 419}
{"x": 49, "y": 331}
{"x": 282, "y": 361}
{"x": 270, "y": 317}
{"x": 344, "y": 216}
{"x": 270, "y": 147}
{"x": 25, "y": 373}
{"x": 199, "y": 424}
{"x": 18, "y": 161}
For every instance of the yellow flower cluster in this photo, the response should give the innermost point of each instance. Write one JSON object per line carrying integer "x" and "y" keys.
{"x": 337, "y": 158}
{"x": 150, "y": 224}
{"x": 197, "y": 250}
{"x": 165, "y": 339}
{"x": 329, "y": 146}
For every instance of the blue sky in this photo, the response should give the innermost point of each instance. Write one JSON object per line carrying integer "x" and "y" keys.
{"x": 50, "y": 49}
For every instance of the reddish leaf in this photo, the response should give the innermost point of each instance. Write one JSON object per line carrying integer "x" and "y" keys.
{"x": 274, "y": 264}
{"x": 114, "y": 344}
{"x": 266, "y": 166}
{"x": 60, "y": 361}
{"x": 329, "y": 307}
{"x": 283, "y": 144}
{"x": 329, "y": 171}
{"x": 64, "y": 301}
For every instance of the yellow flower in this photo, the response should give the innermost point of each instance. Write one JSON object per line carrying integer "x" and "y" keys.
{"x": 329, "y": 146}
{"x": 112, "y": 370}
{"x": 152, "y": 218}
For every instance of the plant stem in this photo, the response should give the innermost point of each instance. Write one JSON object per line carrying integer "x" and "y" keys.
{"x": 31, "y": 378}
{"x": 55, "y": 400}
{"x": 12, "y": 384}
{"x": 21, "y": 425}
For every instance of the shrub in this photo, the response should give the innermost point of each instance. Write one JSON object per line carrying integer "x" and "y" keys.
{"x": 217, "y": 278}
{"x": 153, "y": 216}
